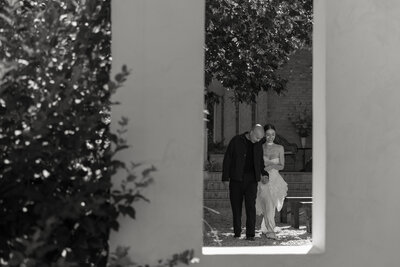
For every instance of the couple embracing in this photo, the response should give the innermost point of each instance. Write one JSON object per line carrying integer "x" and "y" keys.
{"x": 251, "y": 164}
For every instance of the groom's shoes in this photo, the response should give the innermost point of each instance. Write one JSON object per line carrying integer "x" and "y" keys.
{"x": 250, "y": 238}
{"x": 236, "y": 236}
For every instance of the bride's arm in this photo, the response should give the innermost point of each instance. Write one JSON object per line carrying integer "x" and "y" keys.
{"x": 281, "y": 163}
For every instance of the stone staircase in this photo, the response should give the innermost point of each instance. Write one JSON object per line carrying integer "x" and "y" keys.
{"x": 216, "y": 193}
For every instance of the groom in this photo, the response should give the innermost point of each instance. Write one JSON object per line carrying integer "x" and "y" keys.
{"x": 243, "y": 166}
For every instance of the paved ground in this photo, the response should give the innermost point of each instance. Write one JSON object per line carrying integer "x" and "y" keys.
{"x": 222, "y": 232}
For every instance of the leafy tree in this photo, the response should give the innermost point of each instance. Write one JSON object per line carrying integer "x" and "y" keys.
{"x": 248, "y": 40}
{"x": 54, "y": 126}
{"x": 57, "y": 153}
{"x": 57, "y": 201}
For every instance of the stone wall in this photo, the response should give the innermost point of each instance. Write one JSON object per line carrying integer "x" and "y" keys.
{"x": 298, "y": 72}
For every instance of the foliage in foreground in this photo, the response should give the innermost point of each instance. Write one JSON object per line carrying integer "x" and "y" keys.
{"x": 57, "y": 201}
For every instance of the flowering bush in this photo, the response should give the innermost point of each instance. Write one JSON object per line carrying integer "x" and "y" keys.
{"x": 58, "y": 203}
{"x": 301, "y": 119}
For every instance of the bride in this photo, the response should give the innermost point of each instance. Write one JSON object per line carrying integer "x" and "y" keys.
{"x": 271, "y": 191}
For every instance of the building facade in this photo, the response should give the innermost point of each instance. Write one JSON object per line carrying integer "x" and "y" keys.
{"x": 228, "y": 117}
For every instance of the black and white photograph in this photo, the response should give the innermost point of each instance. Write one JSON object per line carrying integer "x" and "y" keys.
{"x": 258, "y": 130}
{"x": 204, "y": 133}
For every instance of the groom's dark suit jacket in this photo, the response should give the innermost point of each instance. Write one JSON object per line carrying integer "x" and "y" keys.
{"x": 234, "y": 159}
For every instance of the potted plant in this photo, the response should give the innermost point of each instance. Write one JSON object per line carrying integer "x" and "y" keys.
{"x": 301, "y": 119}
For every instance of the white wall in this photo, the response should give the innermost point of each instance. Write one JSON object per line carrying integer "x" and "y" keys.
{"x": 162, "y": 42}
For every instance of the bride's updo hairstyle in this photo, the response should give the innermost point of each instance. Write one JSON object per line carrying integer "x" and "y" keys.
{"x": 269, "y": 127}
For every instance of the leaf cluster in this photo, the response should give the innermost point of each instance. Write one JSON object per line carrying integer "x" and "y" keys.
{"x": 248, "y": 41}
{"x": 57, "y": 154}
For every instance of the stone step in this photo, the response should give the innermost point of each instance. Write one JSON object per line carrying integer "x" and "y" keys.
{"x": 289, "y": 177}
{"x": 299, "y": 184}
{"x": 213, "y": 203}
{"x": 215, "y": 162}
{"x": 210, "y": 185}
{"x": 213, "y": 175}
{"x": 219, "y": 194}
{"x": 216, "y": 194}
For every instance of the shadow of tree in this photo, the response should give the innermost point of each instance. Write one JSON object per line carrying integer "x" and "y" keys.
{"x": 222, "y": 225}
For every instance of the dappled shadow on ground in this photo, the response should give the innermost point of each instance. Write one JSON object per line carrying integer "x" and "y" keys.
{"x": 221, "y": 233}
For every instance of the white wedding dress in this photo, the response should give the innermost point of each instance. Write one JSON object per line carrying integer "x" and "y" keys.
{"x": 270, "y": 196}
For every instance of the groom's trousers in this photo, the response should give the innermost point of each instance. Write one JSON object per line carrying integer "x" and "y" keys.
{"x": 244, "y": 190}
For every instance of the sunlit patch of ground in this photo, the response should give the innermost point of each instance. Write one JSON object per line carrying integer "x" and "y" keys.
{"x": 222, "y": 232}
